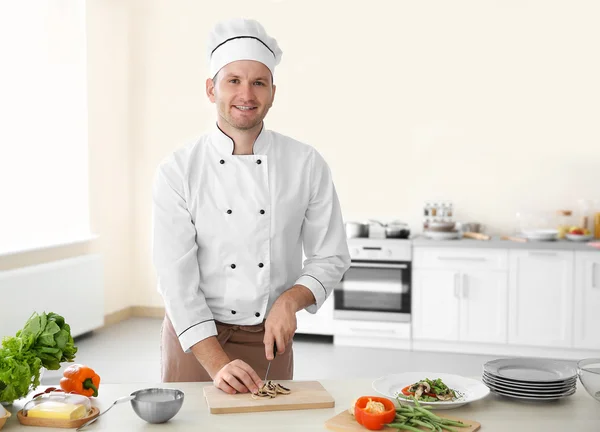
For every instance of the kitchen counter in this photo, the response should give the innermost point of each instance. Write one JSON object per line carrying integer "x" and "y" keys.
{"x": 579, "y": 412}
{"x": 496, "y": 243}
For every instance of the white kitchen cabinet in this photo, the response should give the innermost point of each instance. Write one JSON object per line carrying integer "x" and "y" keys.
{"x": 320, "y": 323}
{"x": 435, "y": 304}
{"x": 483, "y": 306}
{"x": 587, "y": 300}
{"x": 541, "y": 291}
{"x": 460, "y": 295}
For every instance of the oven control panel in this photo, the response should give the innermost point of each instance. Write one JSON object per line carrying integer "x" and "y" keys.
{"x": 366, "y": 249}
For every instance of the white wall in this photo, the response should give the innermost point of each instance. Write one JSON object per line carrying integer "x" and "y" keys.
{"x": 493, "y": 105}
{"x": 110, "y": 167}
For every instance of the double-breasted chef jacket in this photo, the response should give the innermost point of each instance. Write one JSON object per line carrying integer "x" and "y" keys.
{"x": 229, "y": 231}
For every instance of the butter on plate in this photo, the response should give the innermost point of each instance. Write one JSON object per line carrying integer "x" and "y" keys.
{"x": 57, "y": 410}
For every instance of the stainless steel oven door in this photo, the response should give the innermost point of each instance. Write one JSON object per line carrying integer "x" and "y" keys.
{"x": 374, "y": 291}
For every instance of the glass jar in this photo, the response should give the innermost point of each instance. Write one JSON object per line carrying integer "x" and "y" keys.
{"x": 564, "y": 222}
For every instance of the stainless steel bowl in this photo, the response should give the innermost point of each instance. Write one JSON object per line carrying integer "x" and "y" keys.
{"x": 157, "y": 405}
{"x": 589, "y": 375}
{"x": 473, "y": 227}
{"x": 356, "y": 229}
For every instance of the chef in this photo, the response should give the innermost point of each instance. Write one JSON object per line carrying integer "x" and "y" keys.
{"x": 233, "y": 212}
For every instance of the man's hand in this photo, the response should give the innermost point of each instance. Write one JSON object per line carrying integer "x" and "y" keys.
{"x": 230, "y": 376}
{"x": 237, "y": 377}
{"x": 280, "y": 325}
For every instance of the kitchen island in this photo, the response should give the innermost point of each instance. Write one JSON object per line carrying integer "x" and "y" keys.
{"x": 579, "y": 412}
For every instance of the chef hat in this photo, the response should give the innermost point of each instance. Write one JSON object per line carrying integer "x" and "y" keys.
{"x": 241, "y": 39}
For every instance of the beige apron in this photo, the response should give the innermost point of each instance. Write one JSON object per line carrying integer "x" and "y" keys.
{"x": 238, "y": 342}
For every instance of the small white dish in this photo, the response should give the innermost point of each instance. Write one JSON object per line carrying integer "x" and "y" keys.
{"x": 468, "y": 389}
{"x": 541, "y": 234}
{"x": 442, "y": 225}
{"x": 579, "y": 237}
{"x": 443, "y": 235}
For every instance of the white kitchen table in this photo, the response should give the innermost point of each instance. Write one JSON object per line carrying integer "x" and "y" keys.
{"x": 577, "y": 413}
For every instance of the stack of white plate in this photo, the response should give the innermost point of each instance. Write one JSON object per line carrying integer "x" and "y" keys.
{"x": 529, "y": 378}
{"x": 541, "y": 234}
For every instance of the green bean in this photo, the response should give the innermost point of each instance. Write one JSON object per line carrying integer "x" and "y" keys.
{"x": 403, "y": 426}
{"x": 427, "y": 413}
{"x": 422, "y": 423}
{"x": 454, "y": 423}
{"x": 448, "y": 428}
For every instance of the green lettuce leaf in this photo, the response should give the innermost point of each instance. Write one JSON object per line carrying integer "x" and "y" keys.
{"x": 19, "y": 370}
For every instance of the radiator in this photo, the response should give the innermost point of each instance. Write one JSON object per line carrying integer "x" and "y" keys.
{"x": 73, "y": 288}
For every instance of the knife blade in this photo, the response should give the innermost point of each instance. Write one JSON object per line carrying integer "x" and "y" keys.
{"x": 269, "y": 366}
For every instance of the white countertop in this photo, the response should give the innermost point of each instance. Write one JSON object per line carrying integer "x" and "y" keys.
{"x": 577, "y": 413}
{"x": 497, "y": 243}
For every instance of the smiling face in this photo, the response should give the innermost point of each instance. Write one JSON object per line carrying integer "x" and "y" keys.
{"x": 243, "y": 92}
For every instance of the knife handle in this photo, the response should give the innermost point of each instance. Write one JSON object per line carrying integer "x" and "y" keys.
{"x": 274, "y": 350}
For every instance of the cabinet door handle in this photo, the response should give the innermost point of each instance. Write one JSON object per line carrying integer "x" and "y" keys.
{"x": 364, "y": 330}
{"x": 594, "y": 275}
{"x": 465, "y": 287}
{"x": 537, "y": 253}
{"x": 451, "y": 258}
{"x": 456, "y": 282}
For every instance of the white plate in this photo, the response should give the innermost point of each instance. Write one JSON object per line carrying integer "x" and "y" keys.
{"x": 442, "y": 235}
{"x": 526, "y": 389}
{"x": 538, "y": 386}
{"x": 541, "y": 235}
{"x": 531, "y": 370}
{"x": 531, "y": 396}
{"x": 442, "y": 225}
{"x": 579, "y": 238}
{"x": 469, "y": 390}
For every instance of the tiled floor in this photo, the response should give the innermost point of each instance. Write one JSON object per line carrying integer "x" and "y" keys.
{"x": 130, "y": 352}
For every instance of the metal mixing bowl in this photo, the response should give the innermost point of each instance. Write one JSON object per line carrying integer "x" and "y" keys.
{"x": 157, "y": 405}
{"x": 589, "y": 375}
{"x": 356, "y": 229}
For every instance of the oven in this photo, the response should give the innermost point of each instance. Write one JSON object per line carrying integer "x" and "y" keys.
{"x": 377, "y": 286}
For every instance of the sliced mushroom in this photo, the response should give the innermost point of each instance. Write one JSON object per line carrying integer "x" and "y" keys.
{"x": 445, "y": 397}
{"x": 423, "y": 387}
{"x": 270, "y": 390}
{"x": 281, "y": 389}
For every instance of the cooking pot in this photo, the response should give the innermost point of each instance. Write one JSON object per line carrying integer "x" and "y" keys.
{"x": 394, "y": 229}
{"x": 356, "y": 229}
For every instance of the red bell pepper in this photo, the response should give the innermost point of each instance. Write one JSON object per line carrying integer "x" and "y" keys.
{"x": 374, "y": 420}
{"x": 406, "y": 392}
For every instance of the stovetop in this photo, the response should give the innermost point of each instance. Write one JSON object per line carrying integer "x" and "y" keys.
{"x": 380, "y": 249}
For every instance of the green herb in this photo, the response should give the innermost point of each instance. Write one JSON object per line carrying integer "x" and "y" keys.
{"x": 44, "y": 341}
{"x": 19, "y": 370}
{"x": 49, "y": 337}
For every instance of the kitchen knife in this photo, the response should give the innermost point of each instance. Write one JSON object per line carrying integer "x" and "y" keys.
{"x": 269, "y": 366}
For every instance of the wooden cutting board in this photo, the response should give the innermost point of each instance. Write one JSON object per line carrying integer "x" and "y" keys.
{"x": 304, "y": 395}
{"x": 344, "y": 422}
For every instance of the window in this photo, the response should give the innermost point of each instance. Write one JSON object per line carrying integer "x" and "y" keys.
{"x": 43, "y": 124}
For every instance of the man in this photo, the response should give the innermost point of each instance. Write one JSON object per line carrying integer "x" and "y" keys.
{"x": 231, "y": 213}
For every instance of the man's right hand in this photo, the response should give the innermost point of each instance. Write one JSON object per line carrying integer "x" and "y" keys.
{"x": 237, "y": 376}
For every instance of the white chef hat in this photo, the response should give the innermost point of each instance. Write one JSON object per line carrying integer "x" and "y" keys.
{"x": 241, "y": 39}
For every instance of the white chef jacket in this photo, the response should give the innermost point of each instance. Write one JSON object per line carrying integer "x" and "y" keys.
{"x": 229, "y": 231}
